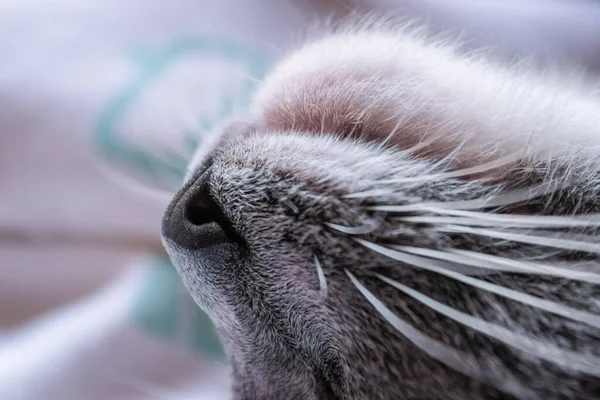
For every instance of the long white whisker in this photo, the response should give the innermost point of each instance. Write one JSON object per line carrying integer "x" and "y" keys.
{"x": 483, "y": 167}
{"x": 535, "y": 240}
{"x": 583, "y": 266}
{"x": 353, "y": 230}
{"x": 490, "y": 262}
{"x": 547, "y": 351}
{"x": 478, "y": 169}
{"x": 465, "y": 363}
{"x": 558, "y": 222}
{"x": 448, "y": 256}
{"x": 537, "y": 221}
{"x": 537, "y": 302}
{"x": 418, "y": 180}
{"x": 411, "y": 179}
{"x": 421, "y": 144}
{"x": 370, "y": 193}
{"x": 447, "y": 160}
{"x": 583, "y": 276}
{"x": 393, "y": 132}
{"x": 360, "y": 230}
{"x": 435, "y": 220}
{"x": 321, "y": 275}
{"x": 500, "y": 200}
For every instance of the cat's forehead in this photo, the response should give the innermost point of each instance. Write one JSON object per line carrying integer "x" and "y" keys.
{"x": 243, "y": 142}
{"x": 302, "y": 156}
{"x": 230, "y": 129}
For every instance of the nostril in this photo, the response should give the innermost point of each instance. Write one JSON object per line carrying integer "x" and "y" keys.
{"x": 200, "y": 208}
{"x": 198, "y": 215}
{"x": 194, "y": 220}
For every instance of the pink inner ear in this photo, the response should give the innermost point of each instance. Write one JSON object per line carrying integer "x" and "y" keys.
{"x": 322, "y": 114}
{"x": 355, "y": 105}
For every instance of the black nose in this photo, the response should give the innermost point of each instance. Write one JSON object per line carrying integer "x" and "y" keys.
{"x": 194, "y": 220}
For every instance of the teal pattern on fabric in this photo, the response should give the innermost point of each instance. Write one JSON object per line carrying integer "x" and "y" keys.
{"x": 112, "y": 144}
{"x": 166, "y": 310}
{"x": 157, "y": 309}
{"x": 163, "y": 307}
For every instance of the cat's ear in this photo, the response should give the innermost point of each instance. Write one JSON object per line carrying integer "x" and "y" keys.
{"x": 362, "y": 104}
{"x": 401, "y": 90}
{"x": 357, "y": 87}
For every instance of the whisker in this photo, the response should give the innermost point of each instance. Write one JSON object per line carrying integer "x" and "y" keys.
{"x": 321, "y": 275}
{"x": 434, "y": 220}
{"x": 534, "y": 301}
{"x": 422, "y": 144}
{"x": 448, "y": 256}
{"x": 445, "y": 162}
{"x": 557, "y": 222}
{"x": 579, "y": 275}
{"x": 546, "y": 221}
{"x": 499, "y": 200}
{"x": 490, "y": 262}
{"x": 411, "y": 179}
{"x": 362, "y": 229}
{"x": 483, "y": 167}
{"x": 583, "y": 266}
{"x": 289, "y": 204}
{"x": 385, "y": 142}
{"x": 353, "y": 230}
{"x": 535, "y": 240}
{"x": 492, "y": 373}
{"x": 370, "y": 193}
{"x": 547, "y": 351}
{"x": 475, "y": 170}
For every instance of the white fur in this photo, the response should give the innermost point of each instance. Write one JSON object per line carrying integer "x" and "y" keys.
{"x": 499, "y": 109}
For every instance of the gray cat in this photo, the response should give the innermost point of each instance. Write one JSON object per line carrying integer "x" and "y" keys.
{"x": 397, "y": 220}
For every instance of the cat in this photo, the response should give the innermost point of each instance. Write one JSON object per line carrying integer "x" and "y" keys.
{"x": 397, "y": 219}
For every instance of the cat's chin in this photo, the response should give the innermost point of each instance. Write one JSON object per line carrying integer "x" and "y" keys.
{"x": 203, "y": 271}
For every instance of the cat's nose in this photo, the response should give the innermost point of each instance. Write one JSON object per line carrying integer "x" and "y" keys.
{"x": 194, "y": 220}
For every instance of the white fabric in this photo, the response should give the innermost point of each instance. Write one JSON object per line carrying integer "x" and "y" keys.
{"x": 91, "y": 351}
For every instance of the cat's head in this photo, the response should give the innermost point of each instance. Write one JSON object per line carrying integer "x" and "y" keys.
{"x": 270, "y": 233}
{"x": 375, "y": 231}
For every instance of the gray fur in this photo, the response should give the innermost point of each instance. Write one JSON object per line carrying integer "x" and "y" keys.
{"x": 280, "y": 191}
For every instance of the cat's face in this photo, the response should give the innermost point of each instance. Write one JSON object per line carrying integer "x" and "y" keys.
{"x": 433, "y": 248}
{"x": 271, "y": 235}
{"x": 255, "y": 233}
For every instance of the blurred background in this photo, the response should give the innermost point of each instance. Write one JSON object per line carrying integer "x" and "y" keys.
{"x": 101, "y": 104}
